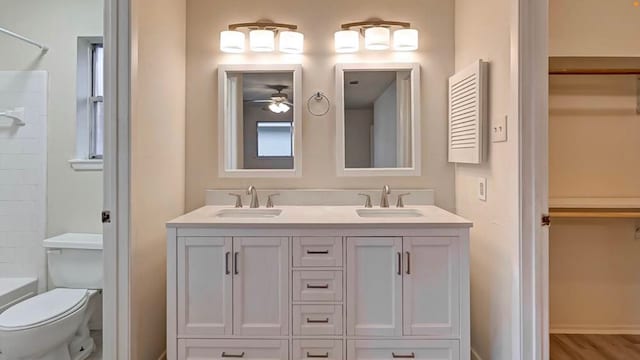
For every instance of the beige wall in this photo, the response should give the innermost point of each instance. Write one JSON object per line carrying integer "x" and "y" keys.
{"x": 593, "y": 28}
{"x": 482, "y": 32}
{"x": 594, "y": 147}
{"x": 318, "y": 20}
{"x": 74, "y": 199}
{"x": 157, "y": 161}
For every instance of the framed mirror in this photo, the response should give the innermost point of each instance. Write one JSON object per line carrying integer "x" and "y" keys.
{"x": 259, "y": 120}
{"x": 378, "y": 119}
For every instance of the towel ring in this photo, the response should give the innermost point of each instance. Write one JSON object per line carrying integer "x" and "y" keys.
{"x": 318, "y": 97}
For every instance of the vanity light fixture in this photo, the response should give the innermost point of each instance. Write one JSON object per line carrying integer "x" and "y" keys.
{"x": 377, "y": 36}
{"x": 262, "y": 36}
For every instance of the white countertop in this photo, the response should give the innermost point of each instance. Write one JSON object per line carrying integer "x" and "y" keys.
{"x": 320, "y": 216}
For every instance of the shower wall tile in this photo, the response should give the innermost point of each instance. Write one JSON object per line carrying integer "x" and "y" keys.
{"x": 23, "y": 175}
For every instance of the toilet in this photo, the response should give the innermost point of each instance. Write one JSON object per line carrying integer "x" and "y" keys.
{"x": 55, "y": 325}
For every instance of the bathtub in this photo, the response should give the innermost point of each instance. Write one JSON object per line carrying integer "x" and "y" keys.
{"x": 14, "y": 290}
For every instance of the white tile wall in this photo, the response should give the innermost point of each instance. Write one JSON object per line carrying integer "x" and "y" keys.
{"x": 23, "y": 175}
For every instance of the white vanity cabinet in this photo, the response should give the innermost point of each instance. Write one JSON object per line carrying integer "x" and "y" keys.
{"x": 318, "y": 292}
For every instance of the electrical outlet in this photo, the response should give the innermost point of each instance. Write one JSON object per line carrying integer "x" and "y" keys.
{"x": 499, "y": 129}
{"x": 482, "y": 189}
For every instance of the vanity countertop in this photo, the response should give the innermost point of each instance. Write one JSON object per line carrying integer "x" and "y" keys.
{"x": 320, "y": 216}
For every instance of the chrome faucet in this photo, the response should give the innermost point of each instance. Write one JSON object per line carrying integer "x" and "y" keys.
{"x": 255, "y": 203}
{"x": 384, "y": 199}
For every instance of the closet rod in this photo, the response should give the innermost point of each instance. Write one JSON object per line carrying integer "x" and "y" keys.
{"x": 595, "y": 72}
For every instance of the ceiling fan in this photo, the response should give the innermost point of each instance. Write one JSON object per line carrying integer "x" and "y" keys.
{"x": 278, "y": 102}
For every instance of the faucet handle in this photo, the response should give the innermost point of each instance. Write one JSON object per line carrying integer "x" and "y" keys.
{"x": 367, "y": 201}
{"x": 238, "y": 199}
{"x": 400, "y": 202}
{"x": 270, "y": 201}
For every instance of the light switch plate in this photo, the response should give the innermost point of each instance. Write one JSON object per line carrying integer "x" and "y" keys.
{"x": 499, "y": 129}
{"x": 482, "y": 189}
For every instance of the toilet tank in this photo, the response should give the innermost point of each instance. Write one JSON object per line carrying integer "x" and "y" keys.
{"x": 75, "y": 260}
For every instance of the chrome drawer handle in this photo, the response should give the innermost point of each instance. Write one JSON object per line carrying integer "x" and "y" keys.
{"x": 323, "y": 356}
{"x": 400, "y": 356}
{"x": 323, "y": 286}
{"x": 225, "y": 355}
{"x": 317, "y": 252}
{"x": 321, "y": 321}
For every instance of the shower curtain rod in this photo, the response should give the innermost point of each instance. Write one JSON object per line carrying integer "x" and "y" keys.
{"x": 43, "y": 48}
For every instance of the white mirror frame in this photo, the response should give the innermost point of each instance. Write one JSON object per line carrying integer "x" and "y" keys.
{"x": 225, "y": 131}
{"x": 415, "y": 169}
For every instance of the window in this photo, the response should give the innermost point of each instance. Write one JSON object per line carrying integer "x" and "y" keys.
{"x": 96, "y": 136}
{"x": 275, "y": 139}
{"x": 90, "y": 105}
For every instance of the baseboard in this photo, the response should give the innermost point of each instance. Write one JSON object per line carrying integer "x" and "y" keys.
{"x": 474, "y": 355}
{"x": 163, "y": 356}
{"x": 595, "y": 329}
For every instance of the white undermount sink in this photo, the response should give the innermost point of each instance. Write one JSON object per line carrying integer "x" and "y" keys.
{"x": 248, "y": 213}
{"x": 389, "y": 213}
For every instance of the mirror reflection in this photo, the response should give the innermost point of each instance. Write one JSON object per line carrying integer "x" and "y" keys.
{"x": 377, "y": 119}
{"x": 260, "y": 112}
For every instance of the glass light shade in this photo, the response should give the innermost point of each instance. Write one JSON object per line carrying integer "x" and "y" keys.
{"x": 405, "y": 40}
{"x": 376, "y": 38}
{"x": 291, "y": 42}
{"x": 347, "y": 41}
{"x": 262, "y": 40}
{"x": 275, "y": 108}
{"x": 231, "y": 41}
{"x": 284, "y": 107}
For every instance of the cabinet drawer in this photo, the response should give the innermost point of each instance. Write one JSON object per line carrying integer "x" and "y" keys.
{"x": 317, "y": 251}
{"x": 317, "y": 349}
{"x": 403, "y": 350}
{"x": 202, "y": 349}
{"x": 317, "y": 319}
{"x": 317, "y": 286}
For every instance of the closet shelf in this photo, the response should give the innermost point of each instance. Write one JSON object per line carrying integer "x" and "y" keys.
{"x": 620, "y": 208}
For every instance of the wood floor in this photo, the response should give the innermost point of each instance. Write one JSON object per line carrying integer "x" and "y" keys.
{"x": 595, "y": 347}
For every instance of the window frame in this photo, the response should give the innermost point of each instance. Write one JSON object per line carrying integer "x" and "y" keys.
{"x": 86, "y": 158}
{"x": 291, "y": 132}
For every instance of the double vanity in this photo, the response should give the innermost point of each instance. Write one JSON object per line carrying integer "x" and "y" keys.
{"x": 318, "y": 281}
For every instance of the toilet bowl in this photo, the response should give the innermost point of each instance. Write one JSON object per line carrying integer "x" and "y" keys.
{"x": 49, "y": 326}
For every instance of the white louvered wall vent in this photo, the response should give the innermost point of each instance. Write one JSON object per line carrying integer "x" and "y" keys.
{"x": 467, "y": 114}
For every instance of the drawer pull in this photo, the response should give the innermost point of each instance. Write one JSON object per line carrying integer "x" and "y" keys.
{"x": 323, "y": 286}
{"x": 227, "y": 271}
{"x": 318, "y": 321}
{"x": 400, "y": 356}
{"x": 399, "y": 263}
{"x": 235, "y": 263}
{"x": 323, "y": 356}
{"x": 225, "y": 355}
{"x": 317, "y": 252}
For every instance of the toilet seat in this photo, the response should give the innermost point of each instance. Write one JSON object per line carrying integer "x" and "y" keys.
{"x": 43, "y": 309}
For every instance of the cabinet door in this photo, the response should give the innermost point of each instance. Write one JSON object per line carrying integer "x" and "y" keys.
{"x": 374, "y": 286}
{"x": 204, "y": 286}
{"x": 403, "y": 350}
{"x": 260, "y": 286}
{"x": 431, "y": 299}
{"x": 204, "y": 349}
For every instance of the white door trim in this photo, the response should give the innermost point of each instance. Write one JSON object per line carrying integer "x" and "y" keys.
{"x": 116, "y": 181}
{"x": 530, "y": 106}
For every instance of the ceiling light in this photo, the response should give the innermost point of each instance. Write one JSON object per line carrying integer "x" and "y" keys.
{"x": 405, "y": 40}
{"x": 347, "y": 41}
{"x": 262, "y": 40}
{"x": 376, "y": 38}
{"x": 231, "y": 41}
{"x": 291, "y": 42}
{"x": 284, "y": 107}
{"x": 275, "y": 108}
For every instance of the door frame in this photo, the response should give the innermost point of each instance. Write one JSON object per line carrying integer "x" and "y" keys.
{"x": 116, "y": 307}
{"x": 529, "y": 79}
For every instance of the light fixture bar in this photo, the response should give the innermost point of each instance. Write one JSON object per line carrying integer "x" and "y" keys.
{"x": 373, "y": 23}
{"x": 263, "y": 25}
